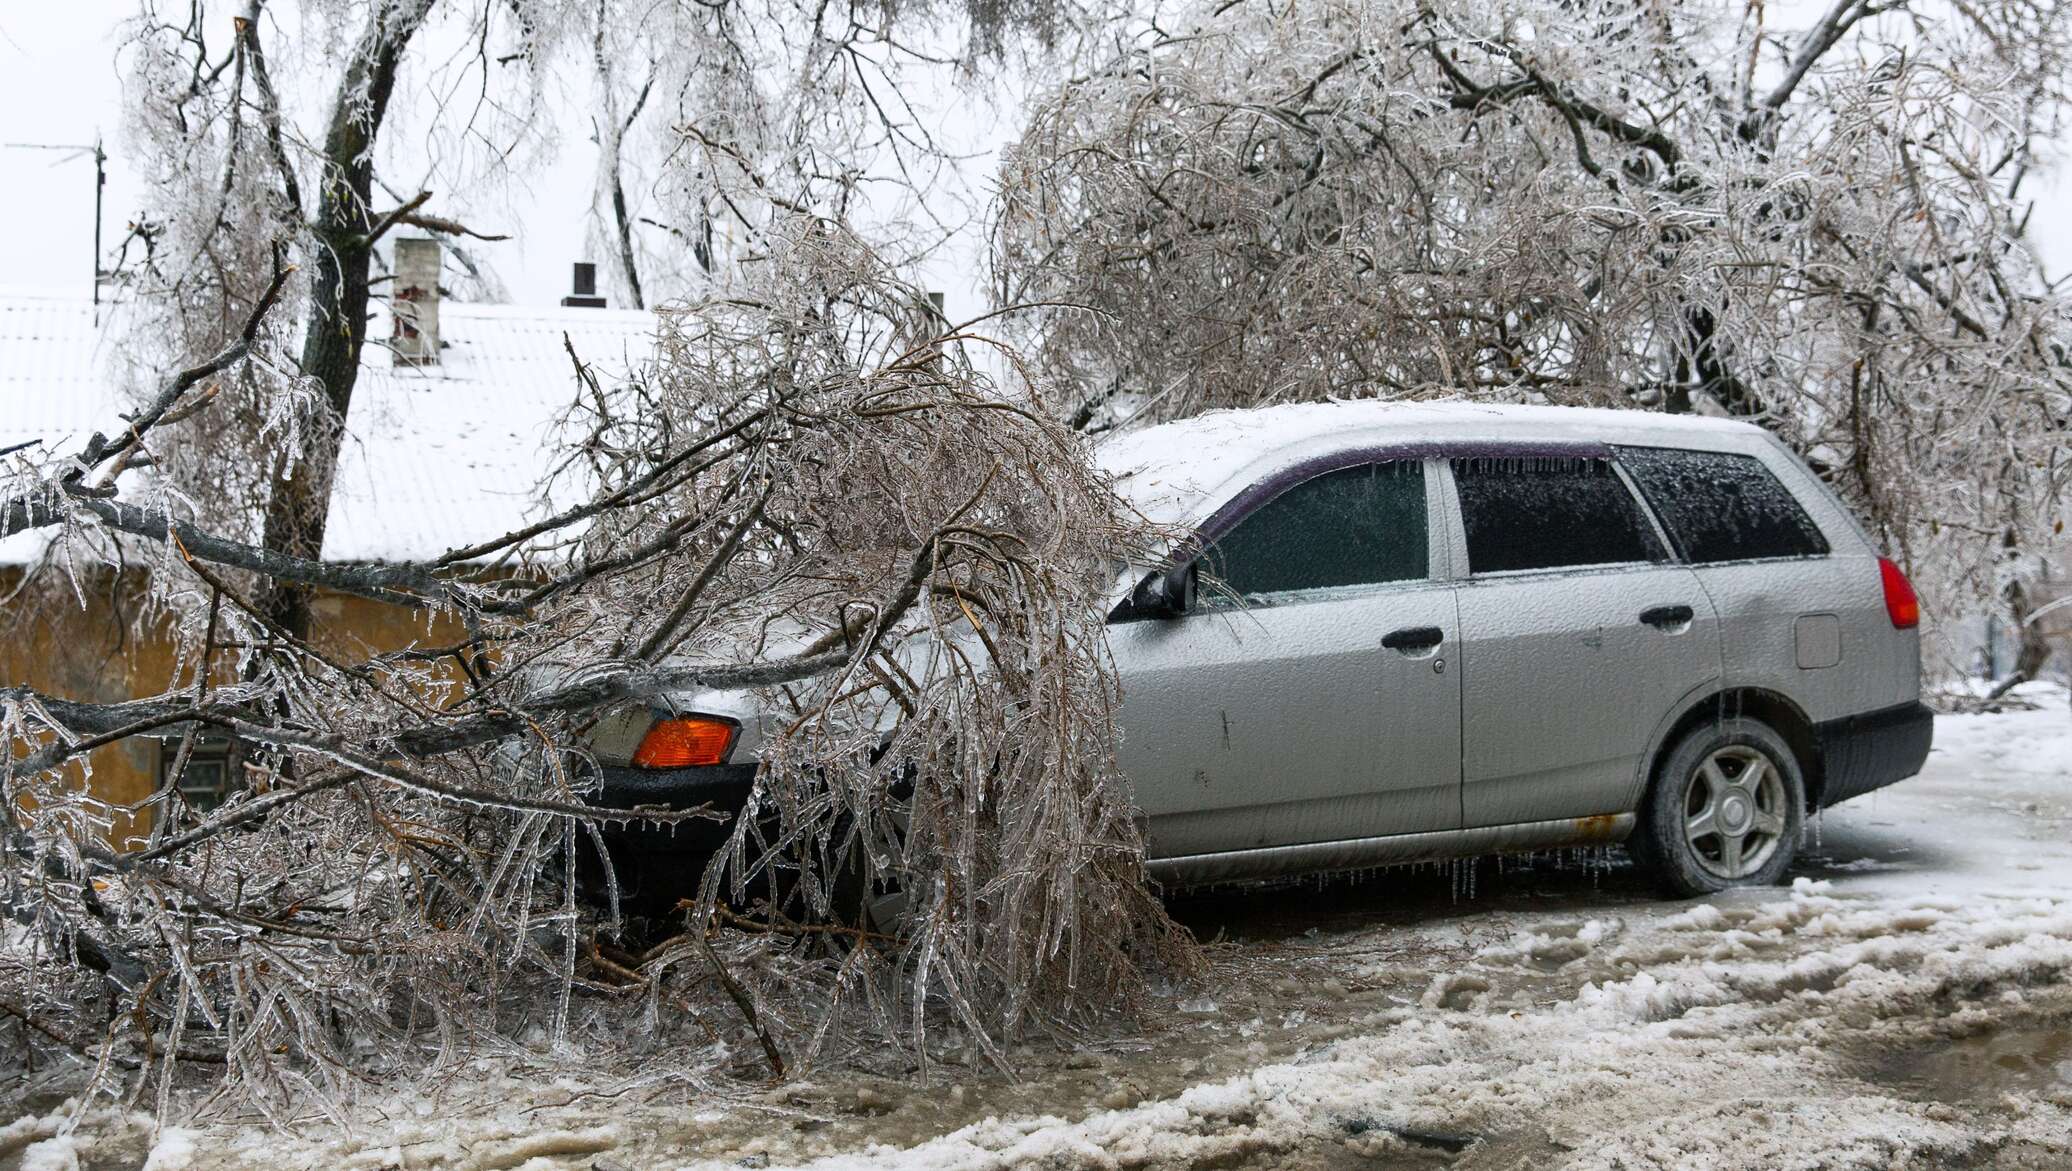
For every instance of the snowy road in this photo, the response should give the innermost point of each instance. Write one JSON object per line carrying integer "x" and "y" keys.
{"x": 1908, "y": 1002}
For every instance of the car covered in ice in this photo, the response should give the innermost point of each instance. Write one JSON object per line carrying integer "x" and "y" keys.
{"x": 1387, "y": 633}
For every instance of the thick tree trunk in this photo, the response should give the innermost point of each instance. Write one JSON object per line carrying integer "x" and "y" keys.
{"x": 2032, "y": 646}
{"x": 1713, "y": 376}
{"x": 624, "y": 223}
{"x": 611, "y": 138}
{"x": 339, "y": 269}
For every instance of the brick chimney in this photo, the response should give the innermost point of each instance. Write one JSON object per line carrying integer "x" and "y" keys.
{"x": 585, "y": 295}
{"x": 416, "y": 303}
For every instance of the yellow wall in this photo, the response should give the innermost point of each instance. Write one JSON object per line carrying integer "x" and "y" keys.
{"x": 101, "y": 651}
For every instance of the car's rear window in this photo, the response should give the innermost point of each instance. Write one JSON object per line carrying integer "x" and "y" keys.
{"x": 1719, "y": 506}
{"x": 1547, "y": 512}
{"x": 1357, "y": 526}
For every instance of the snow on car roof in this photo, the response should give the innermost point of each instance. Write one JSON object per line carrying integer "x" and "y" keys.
{"x": 1175, "y": 473}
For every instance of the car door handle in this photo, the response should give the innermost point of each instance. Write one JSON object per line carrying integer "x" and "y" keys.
{"x": 1664, "y": 617}
{"x": 1413, "y": 638}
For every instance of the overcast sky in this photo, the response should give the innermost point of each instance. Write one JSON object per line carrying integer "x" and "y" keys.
{"x": 59, "y": 85}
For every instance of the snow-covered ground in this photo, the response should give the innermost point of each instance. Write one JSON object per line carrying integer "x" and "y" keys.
{"x": 1906, "y": 1002}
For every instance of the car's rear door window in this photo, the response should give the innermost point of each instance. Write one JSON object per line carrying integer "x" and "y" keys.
{"x": 1721, "y": 506}
{"x": 1549, "y": 512}
{"x": 1358, "y": 526}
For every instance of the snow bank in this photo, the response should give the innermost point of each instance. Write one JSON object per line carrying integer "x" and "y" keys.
{"x": 174, "y": 1150}
{"x": 51, "y": 1154}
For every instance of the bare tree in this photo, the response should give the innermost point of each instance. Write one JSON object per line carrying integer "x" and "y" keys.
{"x": 614, "y": 120}
{"x": 756, "y": 111}
{"x": 811, "y": 493}
{"x": 1613, "y": 203}
{"x": 715, "y": 121}
{"x": 238, "y": 176}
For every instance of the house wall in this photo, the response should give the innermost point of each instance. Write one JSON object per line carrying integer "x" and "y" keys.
{"x": 102, "y": 650}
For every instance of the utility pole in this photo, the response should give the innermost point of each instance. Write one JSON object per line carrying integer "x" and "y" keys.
{"x": 100, "y": 158}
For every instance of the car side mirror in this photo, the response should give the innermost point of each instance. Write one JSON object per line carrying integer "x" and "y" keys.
{"x": 1168, "y": 593}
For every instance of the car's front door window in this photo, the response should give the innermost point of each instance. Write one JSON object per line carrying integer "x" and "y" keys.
{"x": 1357, "y": 526}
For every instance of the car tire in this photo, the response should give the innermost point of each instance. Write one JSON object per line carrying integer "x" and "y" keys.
{"x": 872, "y": 908}
{"x": 864, "y": 898}
{"x": 1725, "y": 810}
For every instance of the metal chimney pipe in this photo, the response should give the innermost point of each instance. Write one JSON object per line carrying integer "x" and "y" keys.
{"x": 585, "y": 295}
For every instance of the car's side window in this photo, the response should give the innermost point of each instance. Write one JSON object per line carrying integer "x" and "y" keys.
{"x": 1357, "y": 526}
{"x": 1546, "y": 512}
{"x": 1719, "y": 506}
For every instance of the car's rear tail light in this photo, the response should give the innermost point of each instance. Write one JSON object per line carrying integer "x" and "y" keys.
{"x": 1900, "y": 603}
{"x": 684, "y": 742}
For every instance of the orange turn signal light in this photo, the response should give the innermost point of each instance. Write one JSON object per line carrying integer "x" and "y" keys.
{"x": 685, "y": 742}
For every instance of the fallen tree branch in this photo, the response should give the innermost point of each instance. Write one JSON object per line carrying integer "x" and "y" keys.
{"x": 743, "y": 1002}
{"x": 443, "y": 226}
{"x": 99, "y": 449}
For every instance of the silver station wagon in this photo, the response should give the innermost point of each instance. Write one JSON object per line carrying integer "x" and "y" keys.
{"x": 1408, "y": 632}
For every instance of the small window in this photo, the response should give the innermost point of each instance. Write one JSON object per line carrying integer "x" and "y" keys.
{"x": 205, "y": 782}
{"x": 1722, "y": 507}
{"x": 1544, "y": 512}
{"x": 1357, "y": 526}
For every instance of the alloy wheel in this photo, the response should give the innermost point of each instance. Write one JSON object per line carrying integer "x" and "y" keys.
{"x": 1734, "y": 811}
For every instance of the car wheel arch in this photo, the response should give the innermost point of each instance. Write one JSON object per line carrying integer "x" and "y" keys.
{"x": 1782, "y": 714}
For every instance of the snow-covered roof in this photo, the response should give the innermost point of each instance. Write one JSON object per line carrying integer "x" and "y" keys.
{"x": 51, "y": 367}
{"x": 436, "y": 457}
{"x": 1178, "y": 473}
{"x": 444, "y": 456}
